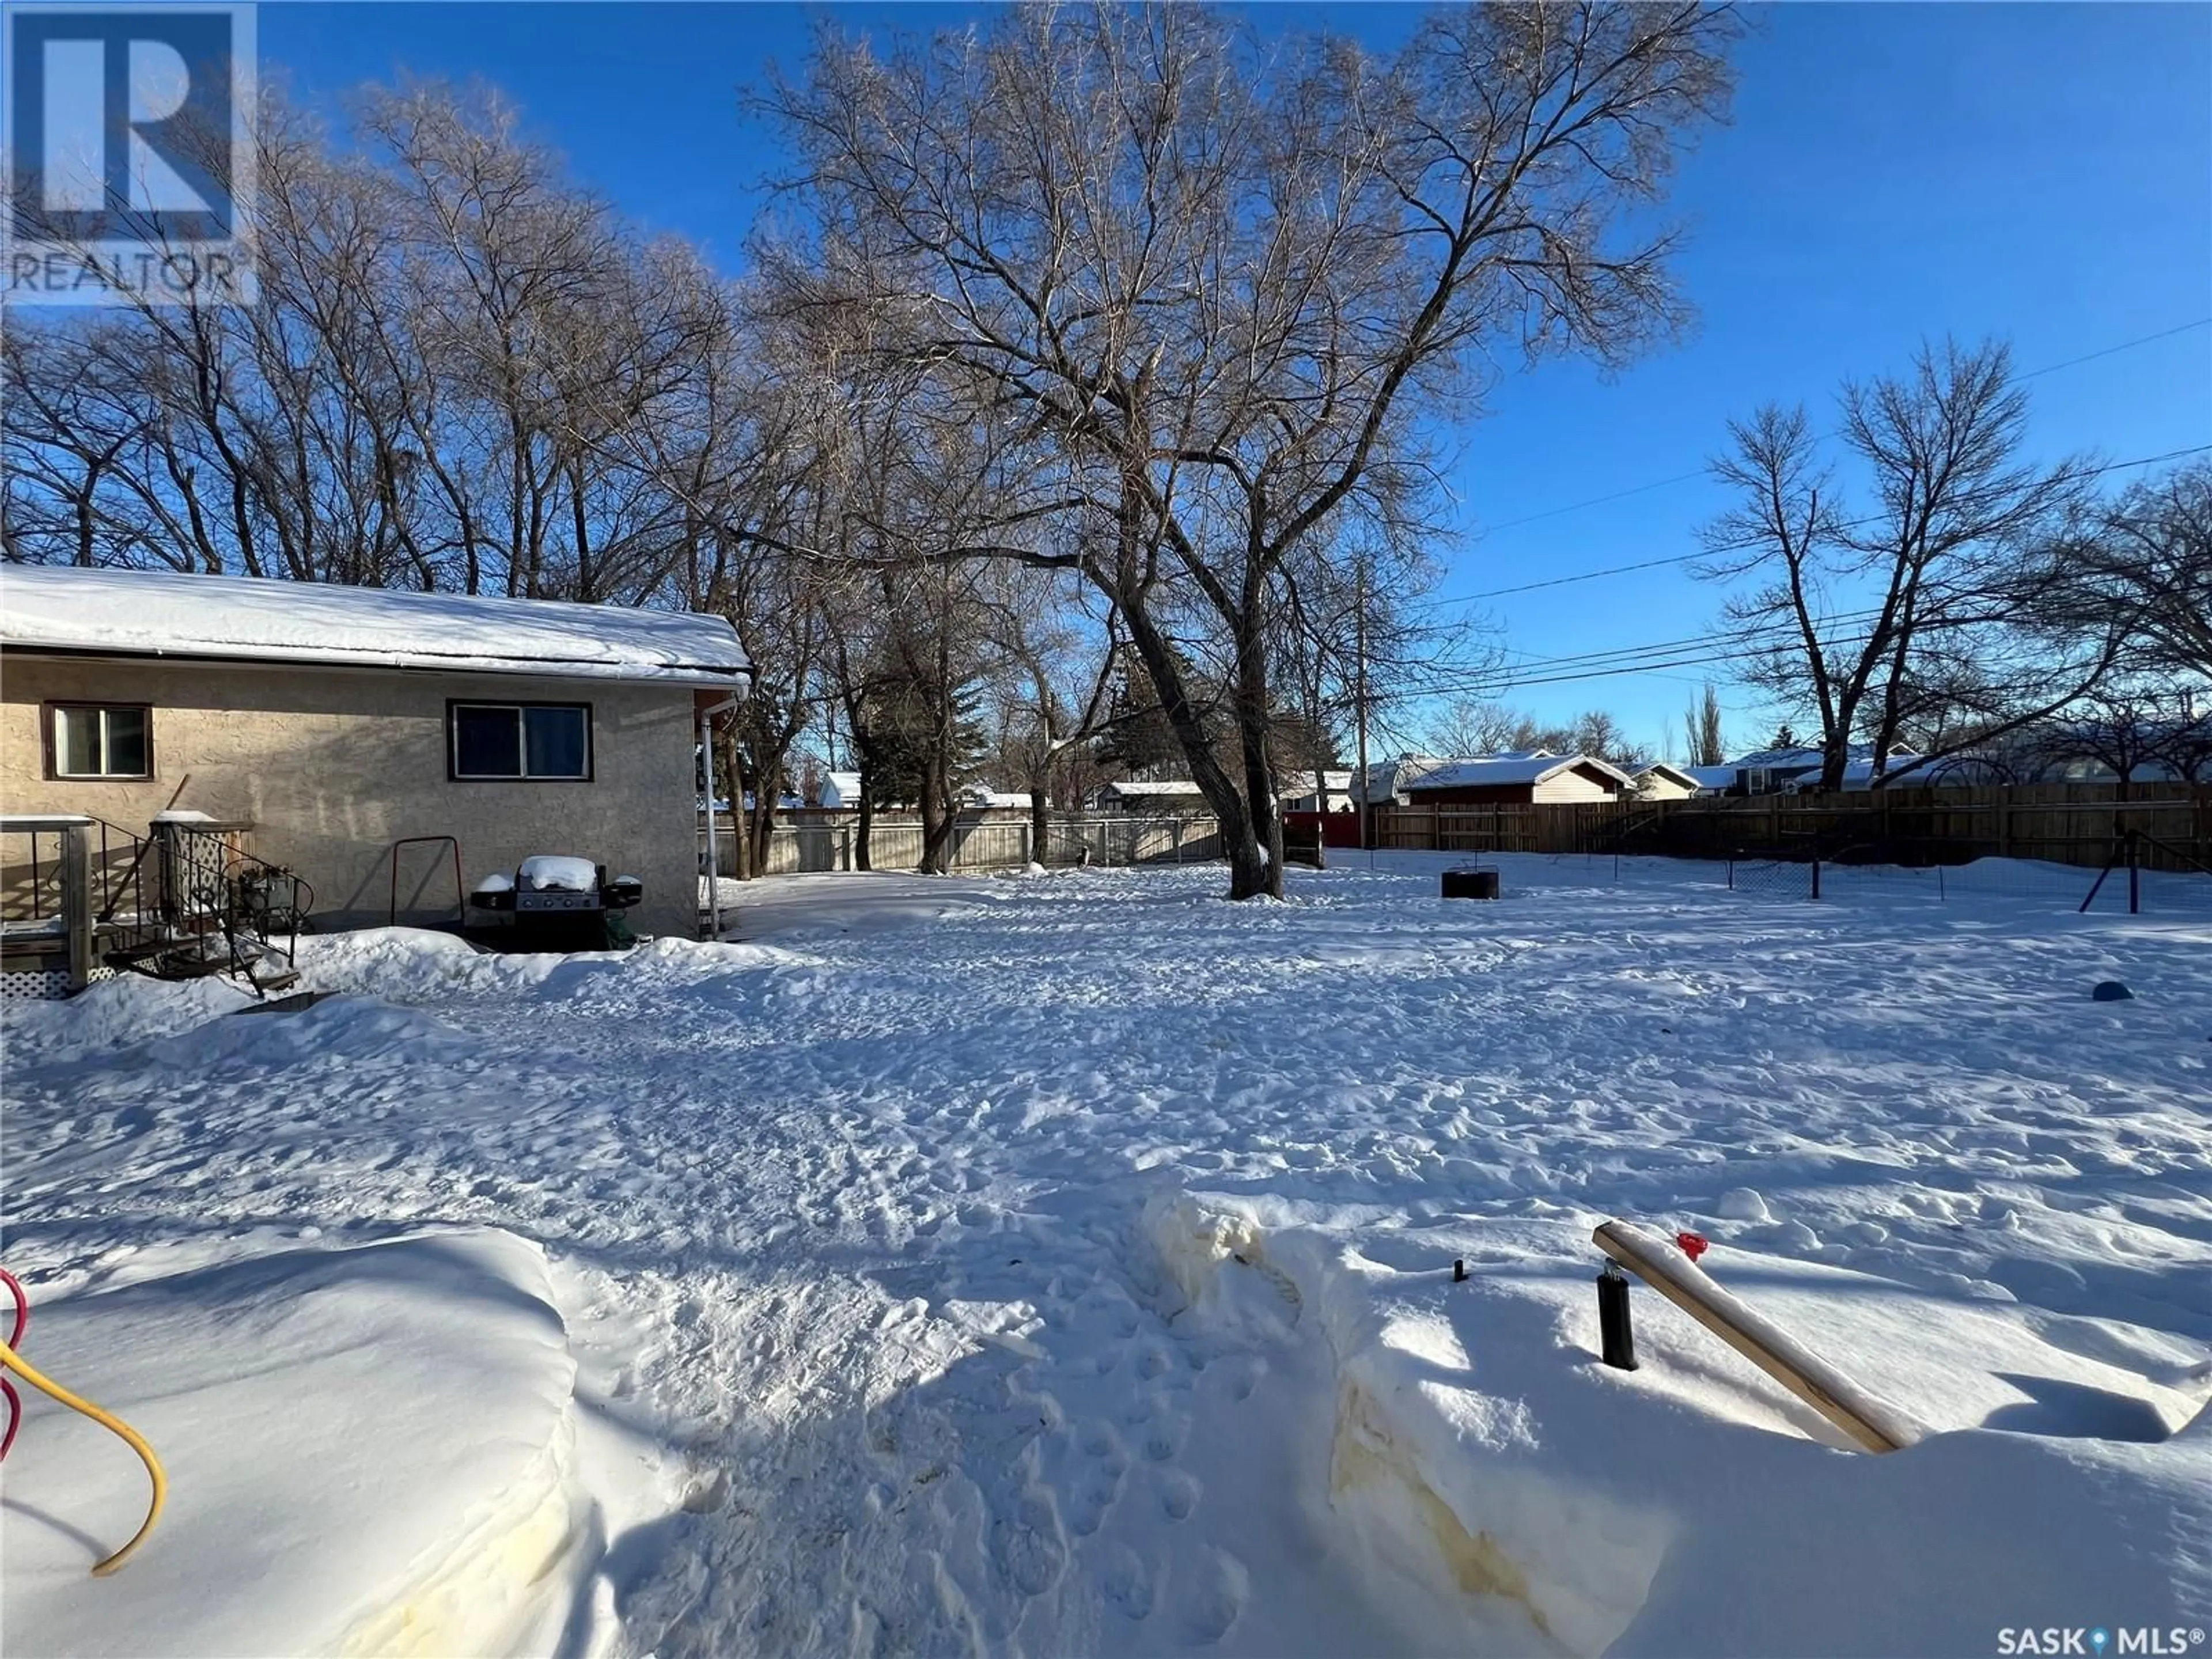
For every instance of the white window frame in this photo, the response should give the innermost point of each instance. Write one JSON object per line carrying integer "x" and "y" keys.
{"x": 55, "y": 711}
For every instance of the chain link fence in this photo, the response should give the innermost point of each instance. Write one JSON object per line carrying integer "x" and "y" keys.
{"x": 1937, "y": 873}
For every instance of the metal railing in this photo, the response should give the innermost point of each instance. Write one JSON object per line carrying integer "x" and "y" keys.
{"x": 181, "y": 900}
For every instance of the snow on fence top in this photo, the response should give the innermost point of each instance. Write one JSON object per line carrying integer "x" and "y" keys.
{"x": 164, "y": 613}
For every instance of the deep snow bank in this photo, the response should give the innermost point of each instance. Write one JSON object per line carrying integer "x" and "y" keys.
{"x": 1483, "y": 1462}
{"x": 369, "y": 1450}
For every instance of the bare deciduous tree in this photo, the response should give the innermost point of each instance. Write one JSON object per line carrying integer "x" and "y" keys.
{"x": 1222, "y": 289}
{"x": 2142, "y": 562}
{"x": 1874, "y": 622}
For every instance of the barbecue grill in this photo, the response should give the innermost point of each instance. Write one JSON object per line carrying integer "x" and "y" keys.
{"x": 555, "y": 902}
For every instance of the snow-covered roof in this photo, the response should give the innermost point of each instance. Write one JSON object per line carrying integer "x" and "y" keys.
{"x": 164, "y": 613}
{"x": 1504, "y": 769}
{"x": 1711, "y": 777}
{"x": 1385, "y": 778}
{"x": 1165, "y": 786}
{"x": 997, "y": 798}
{"x": 1783, "y": 759}
{"x": 1684, "y": 775}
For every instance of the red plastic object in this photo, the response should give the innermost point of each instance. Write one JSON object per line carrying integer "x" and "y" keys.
{"x": 1693, "y": 1244}
{"x": 15, "y": 1340}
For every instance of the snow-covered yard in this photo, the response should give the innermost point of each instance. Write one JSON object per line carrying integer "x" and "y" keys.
{"x": 1062, "y": 1264}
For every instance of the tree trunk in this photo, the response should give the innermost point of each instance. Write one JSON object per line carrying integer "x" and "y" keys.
{"x": 1248, "y": 868}
{"x": 864, "y": 829}
{"x": 726, "y": 739}
{"x": 937, "y": 818}
{"x": 1264, "y": 827}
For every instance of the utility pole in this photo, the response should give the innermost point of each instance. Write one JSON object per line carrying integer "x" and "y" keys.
{"x": 1359, "y": 694}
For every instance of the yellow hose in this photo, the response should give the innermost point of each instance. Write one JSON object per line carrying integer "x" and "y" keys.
{"x": 30, "y": 1374}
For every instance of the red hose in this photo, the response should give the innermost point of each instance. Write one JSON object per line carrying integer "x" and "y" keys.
{"x": 15, "y": 1340}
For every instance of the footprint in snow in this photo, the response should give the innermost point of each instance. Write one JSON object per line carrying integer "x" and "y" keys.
{"x": 1211, "y": 1594}
{"x": 1164, "y": 1438}
{"x": 1179, "y": 1494}
{"x": 1029, "y": 1545}
{"x": 1126, "y": 1582}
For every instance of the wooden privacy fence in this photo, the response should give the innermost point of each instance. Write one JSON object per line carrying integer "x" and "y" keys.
{"x": 894, "y": 842}
{"x": 2062, "y": 824}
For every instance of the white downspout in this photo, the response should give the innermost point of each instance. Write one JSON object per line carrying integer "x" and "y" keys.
{"x": 714, "y": 863}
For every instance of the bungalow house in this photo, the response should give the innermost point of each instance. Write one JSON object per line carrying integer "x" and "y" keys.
{"x": 1298, "y": 793}
{"x": 841, "y": 791}
{"x": 346, "y": 733}
{"x": 1519, "y": 780}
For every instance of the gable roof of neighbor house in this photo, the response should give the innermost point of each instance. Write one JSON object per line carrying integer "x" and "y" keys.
{"x": 1687, "y": 778}
{"x": 146, "y": 613}
{"x": 1495, "y": 770}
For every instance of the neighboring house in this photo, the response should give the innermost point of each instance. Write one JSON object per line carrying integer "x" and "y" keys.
{"x": 1784, "y": 771}
{"x": 323, "y": 724}
{"x": 1657, "y": 781}
{"x": 1519, "y": 780}
{"x": 1387, "y": 781}
{"x": 841, "y": 791}
{"x": 979, "y": 799}
{"x": 2125, "y": 745}
{"x": 1298, "y": 793}
{"x": 1166, "y": 797}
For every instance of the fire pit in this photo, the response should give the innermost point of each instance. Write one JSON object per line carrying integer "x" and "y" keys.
{"x": 553, "y": 902}
{"x": 1471, "y": 881}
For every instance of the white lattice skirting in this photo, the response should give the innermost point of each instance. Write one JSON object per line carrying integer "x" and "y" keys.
{"x": 42, "y": 984}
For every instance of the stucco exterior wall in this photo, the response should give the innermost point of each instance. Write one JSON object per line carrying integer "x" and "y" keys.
{"x": 331, "y": 766}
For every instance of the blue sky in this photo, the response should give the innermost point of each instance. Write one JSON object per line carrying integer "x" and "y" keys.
{"x": 2038, "y": 172}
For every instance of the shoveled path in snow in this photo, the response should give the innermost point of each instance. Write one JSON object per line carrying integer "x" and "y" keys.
{"x": 846, "y": 1221}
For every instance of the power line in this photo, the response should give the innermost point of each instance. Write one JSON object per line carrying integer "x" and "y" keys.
{"x": 1699, "y": 473}
{"x": 1744, "y": 546}
{"x": 2110, "y": 351}
{"x": 1579, "y": 659}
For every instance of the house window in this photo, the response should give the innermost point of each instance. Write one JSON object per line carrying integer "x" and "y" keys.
{"x": 100, "y": 741}
{"x": 544, "y": 741}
